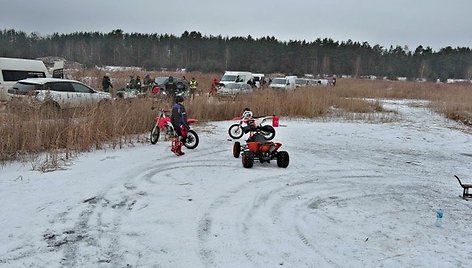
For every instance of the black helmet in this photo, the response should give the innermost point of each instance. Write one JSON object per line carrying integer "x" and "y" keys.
{"x": 179, "y": 99}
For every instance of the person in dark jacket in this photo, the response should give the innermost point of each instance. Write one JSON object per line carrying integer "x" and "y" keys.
{"x": 171, "y": 86}
{"x": 106, "y": 83}
{"x": 178, "y": 119}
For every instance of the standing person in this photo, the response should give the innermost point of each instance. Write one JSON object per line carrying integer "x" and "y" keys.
{"x": 193, "y": 84}
{"x": 138, "y": 83}
{"x": 213, "y": 85}
{"x": 132, "y": 82}
{"x": 171, "y": 87}
{"x": 106, "y": 83}
{"x": 178, "y": 119}
{"x": 147, "y": 83}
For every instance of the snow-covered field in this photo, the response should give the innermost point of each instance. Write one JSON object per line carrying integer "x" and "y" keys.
{"x": 355, "y": 194}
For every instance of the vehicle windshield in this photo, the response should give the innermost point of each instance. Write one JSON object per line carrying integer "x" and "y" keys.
{"x": 228, "y": 78}
{"x": 300, "y": 81}
{"x": 160, "y": 80}
{"x": 14, "y": 75}
{"x": 279, "y": 81}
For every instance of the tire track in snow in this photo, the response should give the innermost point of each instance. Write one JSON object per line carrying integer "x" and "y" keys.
{"x": 114, "y": 203}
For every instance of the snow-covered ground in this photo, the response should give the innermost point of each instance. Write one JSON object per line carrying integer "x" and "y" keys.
{"x": 355, "y": 194}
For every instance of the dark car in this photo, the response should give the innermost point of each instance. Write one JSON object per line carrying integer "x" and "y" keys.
{"x": 162, "y": 85}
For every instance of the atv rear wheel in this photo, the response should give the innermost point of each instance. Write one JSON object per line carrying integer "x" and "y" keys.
{"x": 283, "y": 159}
{"x": 236, "y": 149}
{"x": 248, "y": 159}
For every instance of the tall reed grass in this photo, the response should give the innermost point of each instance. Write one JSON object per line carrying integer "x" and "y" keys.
{"x": 25, "y": 133}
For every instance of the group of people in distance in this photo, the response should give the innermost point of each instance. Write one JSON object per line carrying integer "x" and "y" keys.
{"x": 170, "y": 86}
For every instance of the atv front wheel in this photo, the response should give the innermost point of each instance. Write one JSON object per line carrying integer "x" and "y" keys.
{"x": 248, "y": 159}
{"x": 236, "y": 149}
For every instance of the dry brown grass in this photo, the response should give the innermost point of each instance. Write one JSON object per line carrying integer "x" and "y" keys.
{"x": 25, "y": 133}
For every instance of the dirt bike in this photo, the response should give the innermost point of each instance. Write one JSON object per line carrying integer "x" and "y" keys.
{"x": 163, "y": 125}
{"x": 247, "y": 125}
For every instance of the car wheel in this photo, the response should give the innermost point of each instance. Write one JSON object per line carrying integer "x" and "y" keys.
{"x": 50, "y": 109}
{"x": 104, "y": 103}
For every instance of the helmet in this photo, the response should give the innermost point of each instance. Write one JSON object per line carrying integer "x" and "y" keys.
{"x": 247, "y": 114}
{"x": 179, "y": 99}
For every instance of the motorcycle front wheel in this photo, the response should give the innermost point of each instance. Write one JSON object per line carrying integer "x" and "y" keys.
{"x": 155, "y": 132}
{"x": 192, "y": 140}
{"x": 235, "y": 131}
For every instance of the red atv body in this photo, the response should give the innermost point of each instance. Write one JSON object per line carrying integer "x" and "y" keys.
{"x": 263, "y": 151}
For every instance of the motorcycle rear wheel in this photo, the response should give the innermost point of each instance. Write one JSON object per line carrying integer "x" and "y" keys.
{"x": 268, "y": 131}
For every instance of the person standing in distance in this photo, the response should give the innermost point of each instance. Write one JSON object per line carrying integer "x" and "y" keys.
{"x": 106, "y": 83}
{"x": 193, "y": 84}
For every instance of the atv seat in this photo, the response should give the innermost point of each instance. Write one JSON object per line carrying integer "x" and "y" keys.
{"x": 465, "y": 188}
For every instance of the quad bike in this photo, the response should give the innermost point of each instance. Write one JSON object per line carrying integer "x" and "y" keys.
{"x": 249, "y": 124}
{"x": 258, "y": 148}
{"x": 162, "y": 124}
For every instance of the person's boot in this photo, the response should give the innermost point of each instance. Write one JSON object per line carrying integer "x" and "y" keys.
{"x": 179, "y": 149}
{"x": 174, "y": 145}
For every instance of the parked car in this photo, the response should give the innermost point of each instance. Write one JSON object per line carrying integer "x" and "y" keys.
{"x": 233, "y": 90}
{"x": 60, "y": 93}
{"x": 286, "y": 83}
{"x": 160, "y": 86}
{"x": 301, "y": 82}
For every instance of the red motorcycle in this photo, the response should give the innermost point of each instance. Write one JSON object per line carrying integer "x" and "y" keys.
{"x": 163, "y": 125}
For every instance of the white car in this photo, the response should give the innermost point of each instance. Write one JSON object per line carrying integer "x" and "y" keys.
{"x": 62, "y": 93}
{"x": 232, "y": 90}
{"x": 285, "y": 83}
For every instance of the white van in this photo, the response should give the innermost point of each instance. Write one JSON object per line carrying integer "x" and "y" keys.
{"x": 12, "y": 70}
{"x": 236, "y": 77}
{"x": 287, "y": 82}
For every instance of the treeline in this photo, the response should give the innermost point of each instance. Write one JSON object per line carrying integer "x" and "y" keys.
{"x": 196, "y": 52}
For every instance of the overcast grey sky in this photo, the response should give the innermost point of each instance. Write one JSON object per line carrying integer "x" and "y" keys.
{"x": 409, "y": 23}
